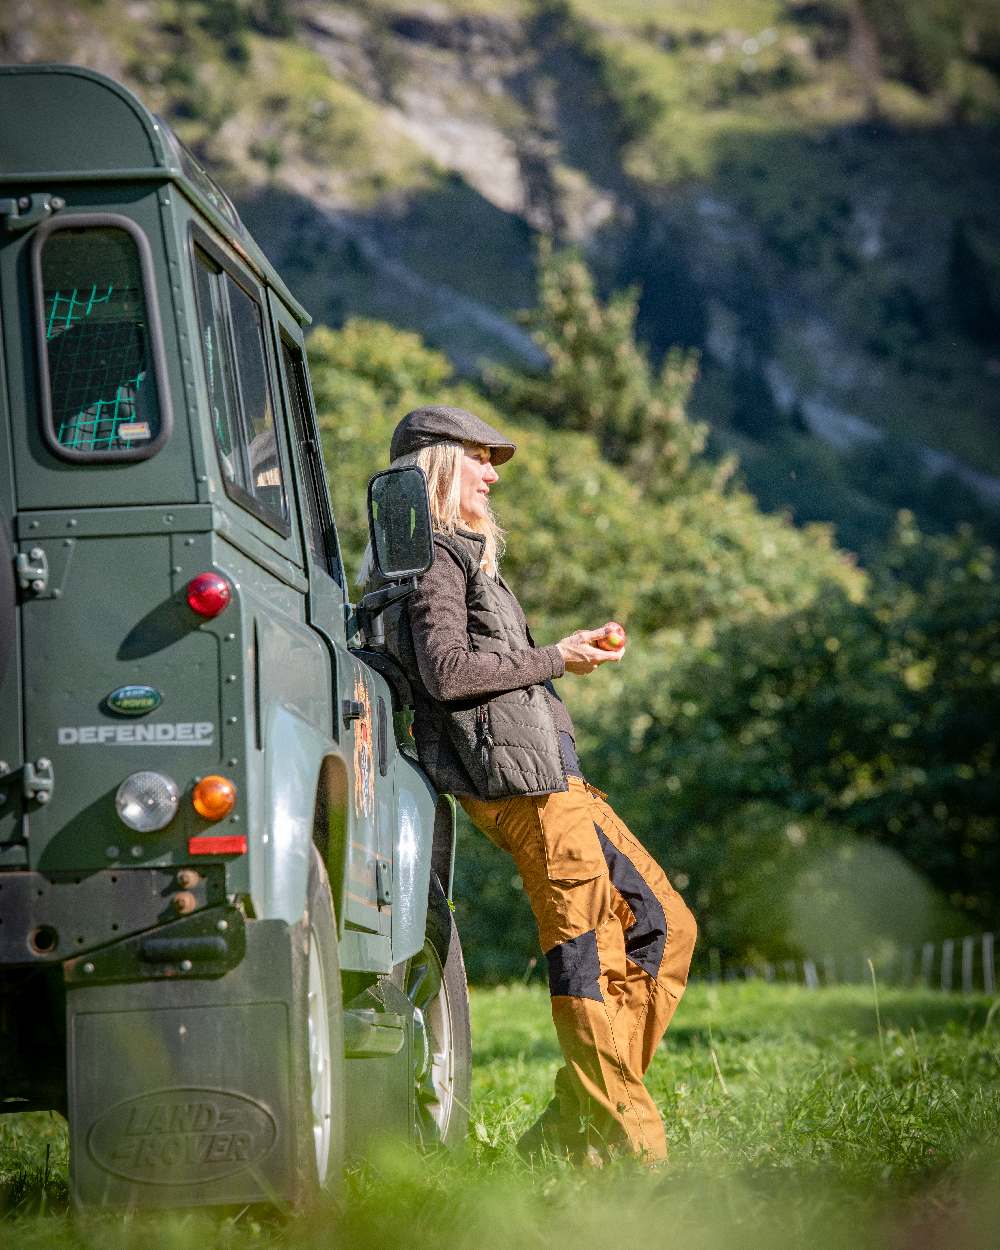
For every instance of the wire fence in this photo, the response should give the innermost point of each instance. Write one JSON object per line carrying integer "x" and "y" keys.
{"x": 966, "y": 965}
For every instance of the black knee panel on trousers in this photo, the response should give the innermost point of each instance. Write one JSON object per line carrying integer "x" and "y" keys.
{"x": 645, "y": 940}
{"x": 574, "y": 967}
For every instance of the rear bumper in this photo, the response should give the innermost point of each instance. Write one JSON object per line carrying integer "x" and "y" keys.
{"x": 51, "y": 918}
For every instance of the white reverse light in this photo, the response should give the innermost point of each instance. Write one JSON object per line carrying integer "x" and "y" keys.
{"x": 147, "y": 801}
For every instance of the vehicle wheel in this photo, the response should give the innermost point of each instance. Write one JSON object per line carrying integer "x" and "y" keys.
{"x": 434, "y": 981}
{"x": 321, "y": 1091}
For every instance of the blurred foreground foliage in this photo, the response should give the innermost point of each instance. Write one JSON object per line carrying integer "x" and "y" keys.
{"x": 809, "y": 747}
{"x": 795, "y": 1118}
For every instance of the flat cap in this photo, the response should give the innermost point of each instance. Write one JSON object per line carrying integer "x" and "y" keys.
{"x": 439, "y": 423}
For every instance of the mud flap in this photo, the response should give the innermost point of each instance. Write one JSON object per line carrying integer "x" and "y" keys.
{"x": 181, "y": 1091}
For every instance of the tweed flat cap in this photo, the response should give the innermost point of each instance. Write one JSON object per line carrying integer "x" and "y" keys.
{"x": 439, "y": 423}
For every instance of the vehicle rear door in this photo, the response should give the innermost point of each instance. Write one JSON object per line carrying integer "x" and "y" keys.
{"x": 106, "y": 499}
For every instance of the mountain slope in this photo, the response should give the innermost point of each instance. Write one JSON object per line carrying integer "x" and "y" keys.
{"x": 804, "y": 191}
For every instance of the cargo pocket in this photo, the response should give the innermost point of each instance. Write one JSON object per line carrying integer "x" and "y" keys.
{"x": 569, "y": 838}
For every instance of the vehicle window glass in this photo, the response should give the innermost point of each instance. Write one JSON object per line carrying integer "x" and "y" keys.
{"x": 319, "y": 519}
{"x": 239, "y": 392}
{"x": 97, "y": 342}
{"x": 218, "y": 369}
{"x": 259, "y": 436}
{"x": 200, "y": 179}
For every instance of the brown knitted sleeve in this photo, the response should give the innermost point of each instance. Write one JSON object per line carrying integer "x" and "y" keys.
{"x": 449, "y": 670}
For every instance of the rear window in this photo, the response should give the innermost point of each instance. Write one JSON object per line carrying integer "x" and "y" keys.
{"x": 100, "y": 384}
{"x": 239, "y": 393}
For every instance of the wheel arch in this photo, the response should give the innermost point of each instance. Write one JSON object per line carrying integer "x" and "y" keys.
{"x": 299, "y": 763}
{"x": 445, "y": 837}
{"x": 330, "y": 825}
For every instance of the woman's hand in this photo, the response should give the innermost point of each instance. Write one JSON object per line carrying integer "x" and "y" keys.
{"x": 579, "y": 653}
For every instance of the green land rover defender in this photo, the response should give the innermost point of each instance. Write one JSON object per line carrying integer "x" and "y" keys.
{"x": 226, "y": 949}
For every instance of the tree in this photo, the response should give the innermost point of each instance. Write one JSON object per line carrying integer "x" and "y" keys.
{"x": 599, "y": 380}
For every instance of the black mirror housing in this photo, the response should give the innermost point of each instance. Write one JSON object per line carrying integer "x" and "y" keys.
{"x": 399, "y": 523}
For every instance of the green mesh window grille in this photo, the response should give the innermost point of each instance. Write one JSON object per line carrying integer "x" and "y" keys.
{"x": 97, "y": 341}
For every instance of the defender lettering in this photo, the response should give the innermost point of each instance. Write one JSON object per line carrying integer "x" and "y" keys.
{"x": 193, "y": 733}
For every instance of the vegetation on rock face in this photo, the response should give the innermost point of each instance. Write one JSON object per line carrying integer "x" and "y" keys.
{"x": 779, "y": 712}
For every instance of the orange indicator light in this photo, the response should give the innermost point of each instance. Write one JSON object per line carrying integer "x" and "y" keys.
{"x": 214, "y": 797}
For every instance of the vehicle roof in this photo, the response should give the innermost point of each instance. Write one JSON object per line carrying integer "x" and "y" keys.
{"x": 74, "y": 124}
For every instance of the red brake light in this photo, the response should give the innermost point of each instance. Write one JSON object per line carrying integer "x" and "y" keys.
{"x": 208, "y": 594}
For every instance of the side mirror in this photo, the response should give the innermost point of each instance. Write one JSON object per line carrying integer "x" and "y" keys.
{"x": 399, "y": 522}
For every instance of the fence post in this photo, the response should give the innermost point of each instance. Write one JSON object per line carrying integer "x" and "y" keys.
{"x": 968, "y": 955}
{"x": 768, "y": 971}
{"x": 927, "y": 964}
{"x": 947, "y": 962}
{"x": 989, "y": 977}
{"x": 906, "y": 975}
{"x": 811, "y": 976}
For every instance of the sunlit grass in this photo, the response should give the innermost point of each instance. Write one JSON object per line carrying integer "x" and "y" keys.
{"x": 793, "y": 1119}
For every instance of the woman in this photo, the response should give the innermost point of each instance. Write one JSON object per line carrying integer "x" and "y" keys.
{"x": 490, "y": 729}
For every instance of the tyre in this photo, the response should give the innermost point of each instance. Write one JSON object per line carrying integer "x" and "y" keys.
{"x": 434, "y": 981}
{"x": 320, "y": 1089}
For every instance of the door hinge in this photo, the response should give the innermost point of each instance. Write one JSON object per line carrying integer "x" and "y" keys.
{"x": 28, "y": 210}
{"x": 32, "y": 569}
{"x": 353, "y": 710}
{"x": 38, "y": 781}
{"x": 383, "y": 883}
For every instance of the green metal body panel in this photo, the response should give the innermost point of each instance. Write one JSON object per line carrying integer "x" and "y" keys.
{"x": 415, "y": 807}
{"x": 75, "y": 124}
{"x": 268, "y": 693}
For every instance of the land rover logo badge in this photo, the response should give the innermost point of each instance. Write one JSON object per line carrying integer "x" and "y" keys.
{"x": 133, "y": 700}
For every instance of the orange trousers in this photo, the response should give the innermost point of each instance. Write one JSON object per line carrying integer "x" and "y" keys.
{"x": 618, "y": 941}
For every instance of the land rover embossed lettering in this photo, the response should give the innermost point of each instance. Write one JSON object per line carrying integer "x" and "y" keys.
{"x": 176, "y": 1136}
{"x": 134, "y": 700}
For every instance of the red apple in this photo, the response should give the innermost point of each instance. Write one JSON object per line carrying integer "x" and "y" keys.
{"x": 613, "y": 638}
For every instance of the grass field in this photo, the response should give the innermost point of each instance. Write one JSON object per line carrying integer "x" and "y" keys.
{"x": 796, "y": 1118}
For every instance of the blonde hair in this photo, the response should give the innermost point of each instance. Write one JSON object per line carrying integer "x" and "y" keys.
{"x": 442, "y": 466}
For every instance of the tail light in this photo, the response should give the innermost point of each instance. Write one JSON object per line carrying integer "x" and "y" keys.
{"x": 208, "y": 594}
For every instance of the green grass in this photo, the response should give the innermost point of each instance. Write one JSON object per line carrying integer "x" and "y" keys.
{"x": 794, "y": 1119}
